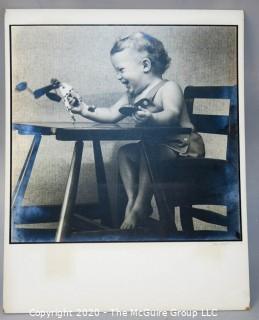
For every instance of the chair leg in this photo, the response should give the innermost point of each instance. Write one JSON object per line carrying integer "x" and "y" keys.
{"x": 70, "y": 193}
{"x": 166, "y": 215}
{"x": 233, "y": 221}
{"x": 186, "y": 219}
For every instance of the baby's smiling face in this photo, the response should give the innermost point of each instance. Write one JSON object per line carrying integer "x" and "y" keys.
{"x": 130, "y": 69}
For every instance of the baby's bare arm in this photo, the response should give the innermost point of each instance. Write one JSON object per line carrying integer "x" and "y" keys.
{"x": 104, "y": 115}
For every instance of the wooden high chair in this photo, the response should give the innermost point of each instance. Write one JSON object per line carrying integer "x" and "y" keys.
{"x": 188, "y": 182}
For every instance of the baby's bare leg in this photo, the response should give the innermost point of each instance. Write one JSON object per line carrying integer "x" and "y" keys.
{"x": 141, "y": 205}
{"x": 128, "y": 158}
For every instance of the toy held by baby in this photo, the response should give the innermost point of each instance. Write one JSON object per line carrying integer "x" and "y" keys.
{"x": 130, "y": 110}
{"x": 63, "y": 91}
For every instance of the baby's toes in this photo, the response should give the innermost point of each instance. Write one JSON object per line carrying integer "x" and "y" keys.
{"x": 126, "y": 225}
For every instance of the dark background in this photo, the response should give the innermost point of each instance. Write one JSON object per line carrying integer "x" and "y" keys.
{"x": 251, "y": 8}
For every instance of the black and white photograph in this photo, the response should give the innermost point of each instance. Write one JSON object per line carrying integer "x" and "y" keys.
{"x": 124, "y": 133}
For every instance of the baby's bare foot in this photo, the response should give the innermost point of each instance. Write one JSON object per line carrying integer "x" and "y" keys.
{"x": 130, "y": 221}
{"x": 134, "y": 217}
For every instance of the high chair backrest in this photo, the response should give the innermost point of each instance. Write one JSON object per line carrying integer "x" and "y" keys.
{"x": 216, "y": 124}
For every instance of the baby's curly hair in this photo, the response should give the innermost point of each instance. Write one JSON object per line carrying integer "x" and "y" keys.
{"x": 143, "y": 42}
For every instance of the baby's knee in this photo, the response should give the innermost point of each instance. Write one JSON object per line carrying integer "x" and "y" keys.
{"x": 129, "y": 151}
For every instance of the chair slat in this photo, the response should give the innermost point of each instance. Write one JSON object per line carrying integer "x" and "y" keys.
{"x": 216, "y": 92}
{"x": 211, "y": 124}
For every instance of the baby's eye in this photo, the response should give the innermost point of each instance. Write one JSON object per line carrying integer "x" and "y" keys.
{"x": 121, "y": 69}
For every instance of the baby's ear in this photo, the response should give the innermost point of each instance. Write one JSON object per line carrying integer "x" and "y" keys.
{"x": 146, "y": 64}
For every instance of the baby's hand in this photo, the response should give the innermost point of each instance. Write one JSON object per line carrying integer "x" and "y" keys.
{"x": 142, "y": 115}
{"x": 78, "y": 109}
{"x": 74, "y": 102}
{"x": 83, "y": 109}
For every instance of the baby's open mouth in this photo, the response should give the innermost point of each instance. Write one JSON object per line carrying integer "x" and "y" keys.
{"x": 125, "y": 82}
{"x": 128, "y": 86}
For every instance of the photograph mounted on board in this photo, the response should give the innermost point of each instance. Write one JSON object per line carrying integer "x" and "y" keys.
{"x": 124, "y": 133}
